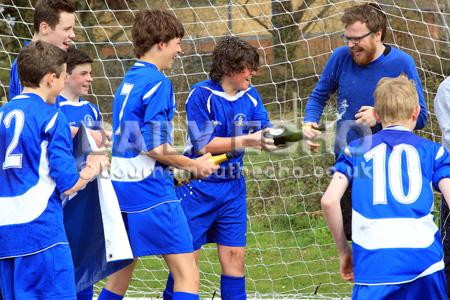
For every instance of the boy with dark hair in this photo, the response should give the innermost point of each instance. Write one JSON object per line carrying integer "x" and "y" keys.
{"x": 77, "y": 111}
{"x": 54, "y": 21}
{"x": 75, "y": 108}
{"x": 224, "y": 113}
{"x": 397, "y": 251}
{"x": 144, "y": 105}
{"x": 37, "y": 167}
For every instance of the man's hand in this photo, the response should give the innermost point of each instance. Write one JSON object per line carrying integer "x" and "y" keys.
{"x": 365, "y": 116}
{"x": 310, "y": 133}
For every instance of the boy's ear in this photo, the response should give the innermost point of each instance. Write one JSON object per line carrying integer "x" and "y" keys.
{"x": 416, "y": 112}
{"x": 44, "y": 28}
{"x": 161, "y": 45}
{"x": 377, "y": 117}
{"x": 48, "y": 80}
{"x": 67, "y": 78}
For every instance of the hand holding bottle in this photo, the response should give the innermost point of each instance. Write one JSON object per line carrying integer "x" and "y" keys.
{"x": 261, "y": 140}
{"x": 310, "y": 132}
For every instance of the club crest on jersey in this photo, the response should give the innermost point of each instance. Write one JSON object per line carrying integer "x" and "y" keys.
{"x": 240, "y": 119}
{"x": 88, "y": 120}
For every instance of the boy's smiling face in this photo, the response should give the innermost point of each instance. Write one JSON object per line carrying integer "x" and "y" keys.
{"x": 63, "y": 34}
{"x": 169, "y": 51}
{"x": 79, "y": 80}
{"x": 241, "y": 81}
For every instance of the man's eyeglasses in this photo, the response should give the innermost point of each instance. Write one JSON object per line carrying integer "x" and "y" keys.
{"x": 354, "y": 39}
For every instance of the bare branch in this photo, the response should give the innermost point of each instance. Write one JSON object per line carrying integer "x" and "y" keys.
{"x": 257, "y": 19}
{"x": 319, "y": 16}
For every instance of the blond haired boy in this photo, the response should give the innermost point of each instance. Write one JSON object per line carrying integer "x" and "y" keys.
{"x": 396, "y": 250}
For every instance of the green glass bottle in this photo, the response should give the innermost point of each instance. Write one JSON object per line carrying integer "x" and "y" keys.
{"x": 283, "y": 134}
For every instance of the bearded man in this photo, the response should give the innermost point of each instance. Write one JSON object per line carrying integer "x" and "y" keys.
{"x": 354, "y": 71}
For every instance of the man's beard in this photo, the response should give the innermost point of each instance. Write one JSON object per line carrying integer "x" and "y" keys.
{"x": 365, "y": 55}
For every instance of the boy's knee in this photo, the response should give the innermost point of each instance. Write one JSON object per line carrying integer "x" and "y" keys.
{"x": 233, "y": 261}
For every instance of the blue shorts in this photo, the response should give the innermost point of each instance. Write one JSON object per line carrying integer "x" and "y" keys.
{"x": 432, "y": 286}
{"x": 47, "y": 275}
{"x": 216, "y": 211}
{"x": 159, "y": 230}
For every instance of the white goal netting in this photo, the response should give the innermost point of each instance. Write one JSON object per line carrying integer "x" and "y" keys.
{"x": 290, "y": 252}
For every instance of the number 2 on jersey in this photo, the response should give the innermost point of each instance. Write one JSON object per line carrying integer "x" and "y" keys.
{"x": 13, "y": 160}
{"x": 394, "y": 173}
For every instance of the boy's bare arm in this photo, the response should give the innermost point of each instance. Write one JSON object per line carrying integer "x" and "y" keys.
{"x": 444, "y": 186}
{"x": 331, "y": 207}
{"x": 226, "y": 144}
{"x": 200, "y": 167}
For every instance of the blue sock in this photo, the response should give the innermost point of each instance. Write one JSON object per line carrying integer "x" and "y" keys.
{"x": 86, "y": 294}
{"x": 167, "y": 295}
{"x": 184, "y": 296}
{"x": 108, "y": 295}
{"x": 232, "y": 288}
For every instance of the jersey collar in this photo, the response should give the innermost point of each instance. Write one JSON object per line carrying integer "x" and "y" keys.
{"x": 397, "y": 127}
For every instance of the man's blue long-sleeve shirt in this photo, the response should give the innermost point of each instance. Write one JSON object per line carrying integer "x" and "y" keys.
{"x": 356, "y": 84}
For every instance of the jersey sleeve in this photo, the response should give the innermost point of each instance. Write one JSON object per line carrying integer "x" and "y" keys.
{"x": 344, "y": 164}
{"x": 59, "y": 150}
{"x": 159, "y": 105}
{"x": 412, "y": 74}
{"x": 96, "y": 112}
{"x": 442, "y": 110}
{"x": 260, "y": 114}
{"x": 201, "y": 127}
{"x": 327, "y": 85}
{"x": 441, "y": 166}
{"x": 97, "y": 117}
{"x": 15, "y": 88}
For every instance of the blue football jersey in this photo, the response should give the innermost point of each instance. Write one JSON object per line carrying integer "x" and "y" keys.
{"x": 77, "y": 112}
{"x": 213, "y": 113}
{"x": 143, "y": 108}
{"x": 36, "y": 165}
{"x": 392, "y": 173}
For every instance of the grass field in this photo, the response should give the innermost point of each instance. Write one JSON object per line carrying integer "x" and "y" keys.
{"x": 290, "y": 253}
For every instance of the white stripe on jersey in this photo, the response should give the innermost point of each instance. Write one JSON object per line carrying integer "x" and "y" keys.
{"x": 94, "y": 111}
{"x": 393, "y": 232}
{"x": 208, "y": 103}
{"x": 225, "y": 95}
{"x": 152, "y": 91}
{"x": 51, "y": 123}
{"x": 430, "y": 270}
{"x": 440, "y": 152}
{"x": 21, "y": 97}
{"x": 189, "y": 96}
{"x": 30, "y": 205}
{"x": 72, "y": 103}
{"x": 131, "y": 169}
{"x": 255, "y": 102}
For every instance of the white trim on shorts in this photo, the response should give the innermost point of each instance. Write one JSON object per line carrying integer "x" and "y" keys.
{"x": 148, "y": 208}
{"x": 42, "y": 250}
